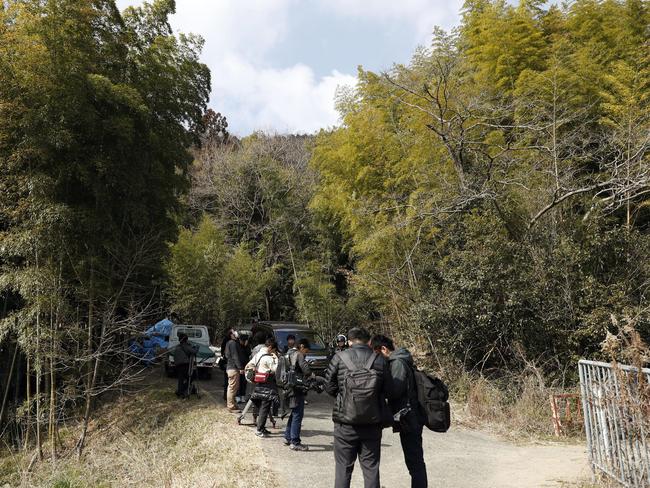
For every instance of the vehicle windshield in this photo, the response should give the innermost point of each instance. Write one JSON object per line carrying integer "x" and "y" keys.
{"x": 316, "y": 344}
{"x": 192, "y": 332}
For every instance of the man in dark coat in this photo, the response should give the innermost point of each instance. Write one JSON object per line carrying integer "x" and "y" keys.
{"x": 403, "y": 401}
{"x": 362, "y": 437}
{"x": 296, "y": 397}
{"x": 182, "y": 361}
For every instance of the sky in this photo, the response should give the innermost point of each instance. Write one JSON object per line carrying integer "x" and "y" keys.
{"x": 276, "y": 64}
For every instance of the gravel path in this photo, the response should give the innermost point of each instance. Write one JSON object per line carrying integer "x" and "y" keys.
{"x": 459, "y": 458}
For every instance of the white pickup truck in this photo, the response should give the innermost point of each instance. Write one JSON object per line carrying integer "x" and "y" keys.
{"x": 196, "y": 334}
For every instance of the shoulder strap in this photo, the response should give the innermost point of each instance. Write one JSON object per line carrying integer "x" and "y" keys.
{"x": 410, "y": 381}
{"x": 371, "y": 360}
{"x": 351, "y": 366}
{"x": 293, "y": 358}
{"x": 258, "y": 361}
{"x": 348, "y": 362}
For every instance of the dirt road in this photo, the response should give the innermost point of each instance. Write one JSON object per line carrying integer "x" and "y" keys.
{"x": 460, "y": 458}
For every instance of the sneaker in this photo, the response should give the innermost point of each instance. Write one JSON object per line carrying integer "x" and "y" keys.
{"x": 266, "y": 431}
{"x": 233, "y": 410}
{"x": 286, "y": 442}
{"x": 299, "y": 447}
{"x": 261, "y": 433}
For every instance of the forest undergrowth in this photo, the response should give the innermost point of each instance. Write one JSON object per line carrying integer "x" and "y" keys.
{"x": 148, "y": 438}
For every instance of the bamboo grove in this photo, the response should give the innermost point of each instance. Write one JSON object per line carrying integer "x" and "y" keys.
{"x": 486, "y": 203}
{"x": 97, "y": 111}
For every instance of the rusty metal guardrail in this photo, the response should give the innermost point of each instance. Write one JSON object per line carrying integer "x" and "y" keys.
{"x": 617, "y": 421}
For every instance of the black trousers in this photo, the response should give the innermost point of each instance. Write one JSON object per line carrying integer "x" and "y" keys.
{"x": 242, "y": 385}
{"x": 350, "y": 442}
{"x": 225, "y": 384}
{"x": 414, "y": 457}
{"x": 182, "y": 373}
{"x": 264, "y": 409}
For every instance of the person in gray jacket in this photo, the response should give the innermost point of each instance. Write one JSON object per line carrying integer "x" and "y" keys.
{"x": 182, "y": 359}
{"x": 234, "y": 370}
{"x": 403, "y": 401}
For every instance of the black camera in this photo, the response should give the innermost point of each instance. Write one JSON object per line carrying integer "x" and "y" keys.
{"x": 316, "y": 383}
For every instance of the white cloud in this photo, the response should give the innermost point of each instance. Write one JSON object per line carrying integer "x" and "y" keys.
{"x": 284, "y": 100}
{"x": 248, "y": 27}
{"x": 255, "y": 94}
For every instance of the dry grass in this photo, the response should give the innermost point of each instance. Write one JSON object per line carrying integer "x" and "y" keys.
{"x": 519, "y": 411}
{"x": 599, "y": 483}
{"x": 152, "y": 439}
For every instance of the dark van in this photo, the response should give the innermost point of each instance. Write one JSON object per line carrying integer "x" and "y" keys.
{"x": 318, "y": 357}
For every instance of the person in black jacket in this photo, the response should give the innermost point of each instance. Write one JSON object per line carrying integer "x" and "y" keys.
{"x": 354, "y": 436}
{"x": 296, "y": 397}
{"x": 182, "y": 359}
{"x": 403, "y": 401}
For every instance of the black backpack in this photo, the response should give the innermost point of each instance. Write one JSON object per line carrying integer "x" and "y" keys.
{"x": 286, "y": 376}
{"x": 432, "y": 397}
{"x": 361, "y": 395}
{"x": 282, "y": 371}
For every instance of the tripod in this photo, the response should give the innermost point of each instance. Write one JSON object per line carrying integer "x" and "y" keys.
{"x": 247, "y": 407}
{"x": 191, "y": 374}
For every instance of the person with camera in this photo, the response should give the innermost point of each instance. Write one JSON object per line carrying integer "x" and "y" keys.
{"x": 183, "y": 354}
{"x": 295, "y": 395}
{"x": 356, "y": 378}
{"x": 403, "y": 401}
{"x": 265, "y": 394}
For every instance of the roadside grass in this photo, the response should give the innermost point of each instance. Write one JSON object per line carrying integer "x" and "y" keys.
{"x": 152, "y": 439}
{"x": 519, "y": 411}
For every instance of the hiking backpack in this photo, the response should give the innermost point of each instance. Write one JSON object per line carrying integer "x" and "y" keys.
{"x": 432, "y": 397}
{"x": 286, "y": 376}
{"x": 361, "y": 395}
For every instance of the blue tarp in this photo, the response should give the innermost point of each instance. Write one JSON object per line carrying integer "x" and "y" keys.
{"x": 146, "y": 354}
{"x": 154, "y": 337}
{"x": 158, "y": 334}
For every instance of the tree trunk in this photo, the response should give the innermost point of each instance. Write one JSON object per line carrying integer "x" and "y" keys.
{"x": 51, "y": 431}
{"x": 37, "y": 370}
{"x": 86, "y": 419}
{"x": 28, "y": 394}
{"x": 89, "y": 352}
{"x": 17, "y": 383}
{"x": 8, "y": 384}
